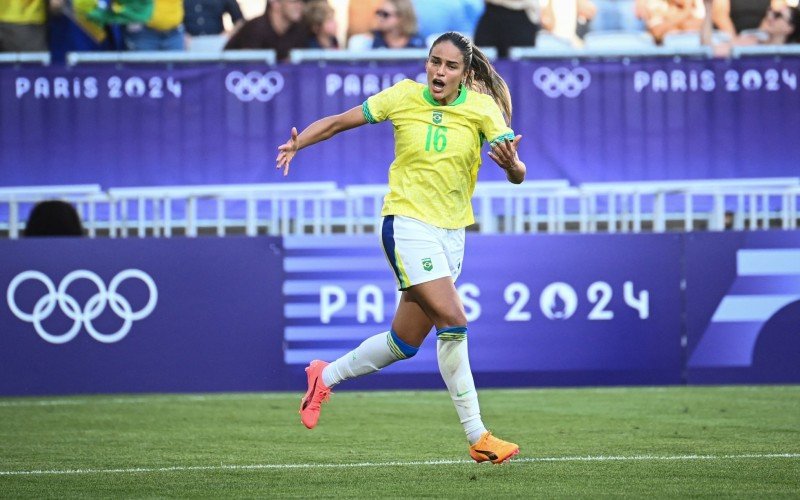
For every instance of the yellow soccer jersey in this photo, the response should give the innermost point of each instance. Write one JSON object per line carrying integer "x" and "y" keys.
{"x": 437, "y": 150}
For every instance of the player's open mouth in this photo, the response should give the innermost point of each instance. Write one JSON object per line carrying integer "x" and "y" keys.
{"x": 437, "y": 85}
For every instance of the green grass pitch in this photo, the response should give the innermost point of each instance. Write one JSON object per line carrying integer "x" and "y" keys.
{"x": 589, "y": 442}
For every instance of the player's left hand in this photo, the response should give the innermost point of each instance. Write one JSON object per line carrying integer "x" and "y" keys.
{"x": 504, "y": 153}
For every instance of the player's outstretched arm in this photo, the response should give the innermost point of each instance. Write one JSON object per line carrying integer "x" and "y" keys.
{"x": 322, "y": 129}
{"x": 504, "y": 153}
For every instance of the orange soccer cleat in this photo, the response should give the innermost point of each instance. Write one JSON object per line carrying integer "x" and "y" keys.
{"x": 489, "y": 448}
{"x": 317, "y": 394}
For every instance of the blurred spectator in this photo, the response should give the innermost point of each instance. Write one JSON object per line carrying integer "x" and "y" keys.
{"x": 163, "y": 31}
{"x": 203, "y": 20}
{"x": 361, "y": 16}
{"x": 440, "y": 16}
{"x": 568, "y": 19}
{"x": 281, "y": 28}
{"x": 103, "y": 13}
{"x": 396, "y": 23}
{"x": 321, "y": 21}
{"x": 53, "y": 218}
{"x": 779, "y": 26}
{"x": 672, "y": 16}
{"x": 735, "y": 16}
{"x": 83, "y": 25}
{"x": 508, "y": 23}
{"x": 23, "y": 25}
{"x": 616, "y": 15}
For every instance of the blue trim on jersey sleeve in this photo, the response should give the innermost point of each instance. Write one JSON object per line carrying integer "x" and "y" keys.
{"x": 509, "y": 136}
{"x": 367, "y": 115}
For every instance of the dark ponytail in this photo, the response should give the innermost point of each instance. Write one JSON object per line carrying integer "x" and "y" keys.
{"x": 481, "y": 75}
{"x": 794, "y": 15}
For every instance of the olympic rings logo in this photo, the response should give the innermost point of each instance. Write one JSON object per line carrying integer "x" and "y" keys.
{"x": 562, "y": 81}
{"x": 254, "y": 85}
{"x": 94, "y": 306}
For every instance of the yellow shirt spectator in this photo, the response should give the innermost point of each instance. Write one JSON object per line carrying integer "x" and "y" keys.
{"x": 23, "y": 11}
{"x": 167, "y": 15}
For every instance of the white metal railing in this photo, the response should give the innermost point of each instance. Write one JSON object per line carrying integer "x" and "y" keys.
{"x": 74, "y": 58}
{"x": 517, "y": 53}
{"x": 518, "y": 205}
{"x": 19, "y": 200}
{"x": 765, "y": 50}
{"x": 363, "y": 203}
{"x": 321, "y": 208}
{"x": 42, "y": 58}
{"x": 322, "y": 55}
{"x": 305, "y": 55}
{"x": 274, "y": 206}
{"x": 501, "y": 207}
{"x": 623, "y": 205}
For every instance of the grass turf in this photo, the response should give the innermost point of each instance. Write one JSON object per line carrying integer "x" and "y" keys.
{"x": 663, "y": 442}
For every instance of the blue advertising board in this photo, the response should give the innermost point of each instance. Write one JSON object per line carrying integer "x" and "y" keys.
{"x": 245, "y": 314}
{"x": 573, "y": 309}
{"x": 134, "y": 315}
{"x": 743, "y": 307}
{"x": 582, "y": 120}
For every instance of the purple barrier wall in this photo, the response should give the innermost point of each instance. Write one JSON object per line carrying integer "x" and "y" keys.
{"x": 743, "y": 307}
{"x": 542, "y": 310}
{"x": 584, "y": 121}
{"x": 140, "y": 315}
{"x": 244, "y": 314}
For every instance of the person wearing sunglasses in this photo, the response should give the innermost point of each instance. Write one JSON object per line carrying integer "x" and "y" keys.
{"x": 439, "y": 129}
{"x": 780, "y": 26}
{"x": 396, "y": 26}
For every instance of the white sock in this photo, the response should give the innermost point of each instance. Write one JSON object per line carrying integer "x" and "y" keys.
{"x": 376, "y": 352}
{"x": 451, "y": 351}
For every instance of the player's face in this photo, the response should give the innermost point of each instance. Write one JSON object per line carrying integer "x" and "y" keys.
{"x": 445, "y": 68}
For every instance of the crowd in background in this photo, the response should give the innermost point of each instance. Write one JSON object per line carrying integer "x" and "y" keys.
{"x": 61, "y": 26}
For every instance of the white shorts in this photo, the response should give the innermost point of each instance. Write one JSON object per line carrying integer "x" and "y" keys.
{"x": 419, "y": 252}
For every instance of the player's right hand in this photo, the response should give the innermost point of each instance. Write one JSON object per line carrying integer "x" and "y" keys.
{"x": 286, "y": 152}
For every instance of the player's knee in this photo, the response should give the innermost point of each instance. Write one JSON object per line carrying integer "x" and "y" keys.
{"x": 453, "y": 319}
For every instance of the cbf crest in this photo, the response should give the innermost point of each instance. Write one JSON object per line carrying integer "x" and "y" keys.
{"x": 437, "y": 117}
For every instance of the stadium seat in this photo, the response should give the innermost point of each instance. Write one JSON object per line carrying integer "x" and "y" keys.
{"x": 206, "y": 43}
{"x": 618, "y": 40}
{"x": 361, "y": 41}
{"x": 548, "y": 41}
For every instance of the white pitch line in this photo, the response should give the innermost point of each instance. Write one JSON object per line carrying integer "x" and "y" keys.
{"x": 190, "y": 468}
{"x": 180, "y": 398}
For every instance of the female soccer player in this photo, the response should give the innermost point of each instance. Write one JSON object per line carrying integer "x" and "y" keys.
{"x": 439, "y": 129}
